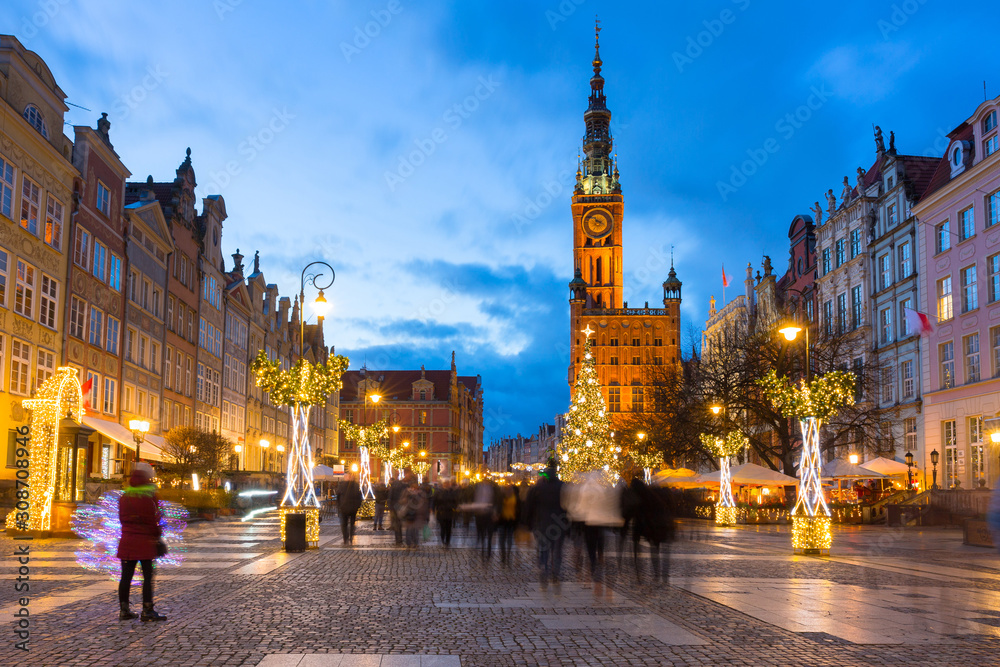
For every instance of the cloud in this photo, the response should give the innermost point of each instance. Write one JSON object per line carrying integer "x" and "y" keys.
{"x": 865, "y": 74}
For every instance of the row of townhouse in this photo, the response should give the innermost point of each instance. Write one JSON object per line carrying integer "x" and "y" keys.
{"x": 126, "y": 282}
{"x": 915, "y": 234}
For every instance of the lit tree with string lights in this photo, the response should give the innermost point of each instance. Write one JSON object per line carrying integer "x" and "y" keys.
{"x": 725, "y": 449}
{"x": 371, "y": 441}
{"x": 812, "y": 403}
{"x": 588, "y": 442}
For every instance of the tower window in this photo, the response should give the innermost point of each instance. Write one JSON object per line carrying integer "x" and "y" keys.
{"x": 599, "y": 274}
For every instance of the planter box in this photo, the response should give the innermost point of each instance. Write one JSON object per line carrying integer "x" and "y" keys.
{"x": 977, "y": 533}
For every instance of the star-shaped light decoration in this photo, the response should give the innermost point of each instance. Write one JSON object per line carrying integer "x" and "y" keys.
{"x": 587, "y": 331}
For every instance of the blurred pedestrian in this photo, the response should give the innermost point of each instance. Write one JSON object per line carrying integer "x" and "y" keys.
{"x": 381, "y": 498}
{"x": 349, "y": 501}
{"x": 486, "y": 510}
{"x": 656, "y": 524}
{"x": 396, "y": 489}
{"x": 141, "y": 541}
{"x": 507, "y": 520}
{"x": 445, "y": 501}
{"x": 597, "y": 505}
{"x": 413, "y": 508}
{"x": 548, "y": 520}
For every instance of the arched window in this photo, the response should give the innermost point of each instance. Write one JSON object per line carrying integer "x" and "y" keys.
{"x": 34, "y": 116}
{"x": 599, "y": 273}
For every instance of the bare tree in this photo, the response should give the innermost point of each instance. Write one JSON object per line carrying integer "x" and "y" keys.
{"x": 182, "y": 446}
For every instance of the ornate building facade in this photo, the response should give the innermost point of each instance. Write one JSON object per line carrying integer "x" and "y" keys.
{"x": 627, "y": 341}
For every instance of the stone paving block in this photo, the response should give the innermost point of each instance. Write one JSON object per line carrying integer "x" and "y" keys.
{"x": 280, "y": 660}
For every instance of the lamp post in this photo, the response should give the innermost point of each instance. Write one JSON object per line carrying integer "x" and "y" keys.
{"x": 320, "y": 305}
{"x": 264, "y": 444}
{"x": 239, "y": 450}
{"x": 139, "y": 430}
{"x": 909, "y": 470}
{"x": 934, "y": 461}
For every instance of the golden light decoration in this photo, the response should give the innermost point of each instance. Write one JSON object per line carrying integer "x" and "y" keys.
{"x": 811, "y": 534}
{"x": 373, "y": 436}
{"x": 312, "y": 523}
{"x": 58, "y": 396}
{"x": 822, "y": 398}
{"x": 586, "y": 445}
{"x": 302, "y": 384}
{"x": 731, "y": 445}
{"x": 725, "y": 516}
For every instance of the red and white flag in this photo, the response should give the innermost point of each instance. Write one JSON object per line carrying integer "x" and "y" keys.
{"x": 918, "y": 322}
{"x": 86, "y": 388}
{"x": 725, "y": 280}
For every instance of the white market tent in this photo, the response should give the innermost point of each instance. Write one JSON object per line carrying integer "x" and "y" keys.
{"x": 748, "y": 474}
{"x": 886, "y": 466}
{"x": 322, "y": 473}
{"x": 844, "y": 469}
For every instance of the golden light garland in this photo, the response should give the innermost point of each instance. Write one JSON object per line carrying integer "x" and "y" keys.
{"x": 304, "y": 383}
{"x": 372, "y": 436}
{"x": 312, "y": 522}
{"x": 734, "y": 443}
{"x": 587, "y": 443}
{"x": 58, "y": 396}
{"x": 811, "y": 534}
{"x": 822, "y": 398}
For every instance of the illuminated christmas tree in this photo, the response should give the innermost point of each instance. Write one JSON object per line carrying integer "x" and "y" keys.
{"x": 588, "y": 442}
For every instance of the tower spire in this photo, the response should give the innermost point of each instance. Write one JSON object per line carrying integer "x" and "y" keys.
{"x": 597, "y": 47}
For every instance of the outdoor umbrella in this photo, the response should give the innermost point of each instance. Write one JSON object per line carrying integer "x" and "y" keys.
{"x": 750, "y": 474}
{"x": 844, "y": 469}
{"x": 322, "y": 473}
{"x": 886, "y": 466}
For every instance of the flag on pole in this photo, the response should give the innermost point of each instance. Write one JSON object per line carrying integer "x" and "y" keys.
{"x": 86, "y": 389}
{"x": 725, "y": 280}
{"x": 918, "y": 322}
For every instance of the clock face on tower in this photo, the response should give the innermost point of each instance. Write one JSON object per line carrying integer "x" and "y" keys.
{"x": 597, "y": 222}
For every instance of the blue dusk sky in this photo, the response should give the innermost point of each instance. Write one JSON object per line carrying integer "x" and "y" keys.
{"x": 427, "y": 150}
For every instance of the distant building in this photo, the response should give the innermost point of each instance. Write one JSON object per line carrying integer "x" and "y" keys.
{"x": 438, "y": 412}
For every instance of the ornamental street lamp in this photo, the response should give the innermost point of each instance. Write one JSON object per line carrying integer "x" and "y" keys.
{"x": 320, "y": 306}
{"x": 934, "y": 461}
{"x": 264, "y": 444}
{"x": 139, "y": 430}
{"x": 238, "y": 449}
{"x": 909, "y": 470}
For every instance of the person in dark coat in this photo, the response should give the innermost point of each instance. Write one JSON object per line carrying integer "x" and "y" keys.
{"x": 396, "y": 489}
{"x": 445, "y": 502}
{"x": 510, "y": 511}
{"x": 381, "y": 498}
{"x": 349, "y": 501}
{"x": 547, "y": 517}
{"x": 656, "y": 524}
{"x": 139, "y": 513}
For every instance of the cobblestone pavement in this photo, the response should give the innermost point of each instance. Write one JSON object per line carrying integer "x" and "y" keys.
{"x": 736, "y": 596}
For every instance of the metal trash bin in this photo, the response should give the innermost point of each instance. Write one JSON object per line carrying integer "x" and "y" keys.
{"x": 295, "y": 532}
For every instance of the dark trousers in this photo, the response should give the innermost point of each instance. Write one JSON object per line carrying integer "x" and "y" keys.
{"x": 347, "y": 520}
{"x": 549, "y": 556}
{"x": 506, "y": 539}
{"x": 379, "y": 515}
{"x": 445, "y": 525}
{"x": 397, "y": 526}
{"x": 594, "y": 538}
{"x": 128, "y": 569}
{"x": 484, "y": 534}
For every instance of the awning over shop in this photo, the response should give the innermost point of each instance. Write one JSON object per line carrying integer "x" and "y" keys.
{"x": 151, "y": 447}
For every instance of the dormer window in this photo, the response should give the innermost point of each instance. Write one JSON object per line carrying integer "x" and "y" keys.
{"x": 958, "y": 155}
{"x": 423, "y": 394}
{"x": 34, "y": 117}
{"x": 990, "y": 121}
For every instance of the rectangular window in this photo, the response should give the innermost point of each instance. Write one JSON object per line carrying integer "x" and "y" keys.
{"x": 154, "y": 357}
{"x": 81, "y": 250}
{"x": 4, "y": 258}
{"x": 53, "y": 222}
{"x": 855, "y": 243}
{"x": 110, "y": 391}
{"x": 841, "y": 251}
{"x": 638, "y": 403}
{"x": 995, "y": 342}
{"x": 809, "y": 310}
{"x": 45, "y": 368}
{"x": 178, "y": 372}
{"x": 77, "y": 312}
{"x": 950, "y": 441}
{"x": 977, "y": 463}
{"x": 993, "y": 269}
{"x": 990, "y": 145}
{"x": 884, "y": 273}
{"x": 636, "y": 361}
{"x": 115, "y": 272}
{"x": 130, "y": 337}
{"x": 856, "y": 307}
{"x": 885, "y": 325}
{"x": 146, "y": 288}
{"x": 187, "y": 376}
{"x": 96, "y": 327}
{"x": 142, "y": 359}
{"x": 992, "y": 208}
{"x": 910, "y": 433}
{"x": 6, "y": 187}
{"x": 20, "y": 367}
{"x": 906, "y": 376}
{"x": 826, "y": 261}
{"x": 990, "y": 121}
{"x": 904, "y": 325}
{"x": 944, "y": 310}
{"x": 970, "y": 295}
{"x": 103, "y": 199}
{"x": 890, "y": 214}
{"x": 168, "y": 365}
{"x": 95, "y": 390}
{"x": 972, "y": 367}
{"x": 886, "y": 385}
{"x": 157, "y": 297}
{"x": 24, "y": 290}
{"x": 30, "y": 205}
{"x": 946, "y": 353}
{"x": 841, "y": 313}
{"x": 635, "y": 342}
{"x": 943, "y": 235}
{"x": 422, "y": 419}
{"x": 613, "y": 361}
{"x": 200, "y": 390}
{"x": 133, "y": 294}
{"x": 828, "y": 317}
{"x": 905, "y": 260}
{"x": 111, "y": 339}
{"x": 47, "y": 302}
{"x": 657, "y": 342}
{"x": 614, "y": 399}
{"x": 100, "y": 260}
{"x": 966, "y": 224}
{"x": 170, "y": 313}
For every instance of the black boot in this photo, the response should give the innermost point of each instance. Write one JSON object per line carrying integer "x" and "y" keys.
{"x": 149, "y": 614}
{"x": 126, "y": 614}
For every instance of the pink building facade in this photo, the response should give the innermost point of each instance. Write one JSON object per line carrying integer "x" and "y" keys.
{"x": 960, "y": 269}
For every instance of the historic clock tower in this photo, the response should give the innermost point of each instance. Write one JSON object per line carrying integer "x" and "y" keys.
{"x": 598, "y": 206}
{"x": 633, "y": 347}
